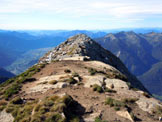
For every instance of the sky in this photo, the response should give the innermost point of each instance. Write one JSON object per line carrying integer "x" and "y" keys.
{"x": 79, "y": 14}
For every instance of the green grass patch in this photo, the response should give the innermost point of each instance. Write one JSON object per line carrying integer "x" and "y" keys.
{"x": 17, "y": 100}
{"x": 49, "y": 109}
{"x": 14, "y": 89}
{"x": 97, "y": 88}
{"x": 110, "y": 90}
{"x": 146, "y": 94}
{"x": 13, "y": 85}
{"x": 92, "y": 71}
{"x": 114, "y": 103}
{"x": 130, "y": 100}
{"x": 70, "y": 80}
{"x": 98, "y": 119}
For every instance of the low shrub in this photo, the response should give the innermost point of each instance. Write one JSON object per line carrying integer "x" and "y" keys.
{"x": 54, "y": 98}
{"x": 55, "y": 117}
{"x": 49, "y": 109}
{"x": 29, "y": 80}
{"x": 58, "y": 107}
{"x": 109, "y": 101}
{"x": 133, "y": 116}
{"x": 130, "y": 100}
{"x": 98, "y": 119}
{"x": 70, "y": 80}
{"x": 17, "y": 100}
{"x": 48, "y": 103}
{"x": 75, "y": 119}
{"x": 10, "y": 108}
{"x": 92, "y": 71}
{"x": 67, "y": 71}
{"x": 74, "y": 74}
{"x": 110, "y": 90}
{"x": 37, "y": 107}
{"x": 43, "y": 110}
{"x": 146, "y": 94}
{"x": 116, "y": 108}
{"x": 14, "y": 89}
{"x": 114, "y": 103}
{"x": 134, "y": 89}
{"x": 97, "y": 88}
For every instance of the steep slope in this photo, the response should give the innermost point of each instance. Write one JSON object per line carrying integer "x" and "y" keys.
{"x": 152, "y": 79}
{"x": 141, "y": 53}
{"x": 132, "y": 49}
{"x": 155, "y": 39}
{"x": 69, "y": 85}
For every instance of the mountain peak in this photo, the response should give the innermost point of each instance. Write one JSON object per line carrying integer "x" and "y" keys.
{"x": 79, "y": 37}
{"x": 83, "y": 46}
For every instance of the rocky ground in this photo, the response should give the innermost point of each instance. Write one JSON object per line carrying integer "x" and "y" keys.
{"x": 92, "y": 103}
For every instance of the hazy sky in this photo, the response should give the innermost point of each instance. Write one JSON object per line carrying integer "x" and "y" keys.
{"x": 79, "y": 14}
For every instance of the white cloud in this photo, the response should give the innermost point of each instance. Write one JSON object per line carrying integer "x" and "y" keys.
{"x": 103, "y": 10}
{"x": 112, "y": 7}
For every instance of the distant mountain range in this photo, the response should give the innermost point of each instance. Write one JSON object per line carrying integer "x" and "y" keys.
{"x": 141, "y": 53}
{"x": 26, "y": 60}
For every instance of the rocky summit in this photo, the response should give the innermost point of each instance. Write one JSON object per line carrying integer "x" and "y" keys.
{"x": 83, "y": 46}
{"x": 78, "y": 81}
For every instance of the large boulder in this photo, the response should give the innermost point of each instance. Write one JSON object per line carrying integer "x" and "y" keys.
{"x": 92, "y": 80}
{"x": 125, "y": 114}
{"x": 116, "y": 83}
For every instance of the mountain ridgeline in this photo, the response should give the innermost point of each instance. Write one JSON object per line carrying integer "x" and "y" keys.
{"x": 141, "y": 53}
{"x": 77, "y": 81}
